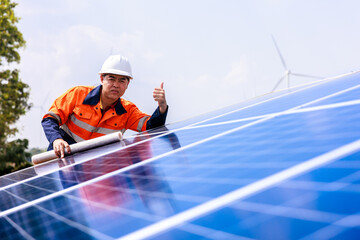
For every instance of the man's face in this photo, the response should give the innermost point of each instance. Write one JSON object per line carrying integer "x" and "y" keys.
{"x": 113, "y": 86}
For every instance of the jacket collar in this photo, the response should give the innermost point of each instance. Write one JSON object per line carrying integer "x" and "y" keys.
{"x": 93, "y": 98}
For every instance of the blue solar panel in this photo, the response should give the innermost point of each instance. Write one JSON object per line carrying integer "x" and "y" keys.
{"x": 282, "y": 166}
{"x": 304, "y": 207}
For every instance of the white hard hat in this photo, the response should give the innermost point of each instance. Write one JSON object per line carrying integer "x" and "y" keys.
{"x": 117, "y": 64}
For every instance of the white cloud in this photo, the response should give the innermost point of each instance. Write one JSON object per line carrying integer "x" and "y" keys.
{"x": 190, "y": 96}
{"x": 238, "y": 73}
{"x": 75, "y": 55}
{"x": 152, "y": 56}
{"x": 74, "y": 6}
{"x": 240, "y": 79}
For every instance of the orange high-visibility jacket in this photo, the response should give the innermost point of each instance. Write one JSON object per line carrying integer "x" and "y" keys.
{"x": 78, "y": 113}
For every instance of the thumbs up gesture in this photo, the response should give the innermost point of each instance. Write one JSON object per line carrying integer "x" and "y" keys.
{"x": 159, "y": 96}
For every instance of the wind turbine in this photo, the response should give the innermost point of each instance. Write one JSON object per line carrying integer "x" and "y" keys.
{"x": 42, "y": 111}
{"x": 41, "y": 107}
{"x": 288, "y": 72}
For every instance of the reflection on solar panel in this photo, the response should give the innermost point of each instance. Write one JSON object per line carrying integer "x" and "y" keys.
{"x": 282, "y": 166}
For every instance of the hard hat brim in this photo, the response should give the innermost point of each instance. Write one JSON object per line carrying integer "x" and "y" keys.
{"x": 116, "y": 71}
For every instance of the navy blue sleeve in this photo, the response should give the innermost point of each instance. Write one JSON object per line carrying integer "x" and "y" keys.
{"x": 51, "y": 129}
{"x": 157, "y": 119}
{"x": 53, "y": 132}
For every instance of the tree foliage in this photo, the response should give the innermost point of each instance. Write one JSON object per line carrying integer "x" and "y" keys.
{"x": 14, "y": 93}
{"x": 14, "y": 157}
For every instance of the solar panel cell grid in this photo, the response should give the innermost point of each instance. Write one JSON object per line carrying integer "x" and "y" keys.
{"x": 306, "y": 207}
{"x": 351, "y": 95}
{"x": 16, "y": 176}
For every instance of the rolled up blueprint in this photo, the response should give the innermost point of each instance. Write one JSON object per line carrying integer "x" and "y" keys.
{"x": 78, "y": 147}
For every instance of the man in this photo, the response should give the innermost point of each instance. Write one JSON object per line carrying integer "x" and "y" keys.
{"x": 84, "y": 113}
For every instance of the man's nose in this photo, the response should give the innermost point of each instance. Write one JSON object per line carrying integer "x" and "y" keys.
{"x": 116, "y": 83}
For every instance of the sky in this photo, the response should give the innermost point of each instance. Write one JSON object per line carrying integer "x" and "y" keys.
{"x": 209, "y": 53}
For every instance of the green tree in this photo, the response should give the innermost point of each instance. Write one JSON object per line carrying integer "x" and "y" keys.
{"x": 14, "y": 93}
{"x": 14, "y": 156}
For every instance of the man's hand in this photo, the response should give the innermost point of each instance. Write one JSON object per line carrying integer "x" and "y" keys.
{"x": 159, "y": 96}
{"x": 59, "y": 145}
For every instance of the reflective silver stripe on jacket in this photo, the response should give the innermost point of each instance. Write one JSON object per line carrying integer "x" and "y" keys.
{"x": 55, "y": 116}
{"x": 82, "y": 124}
{"x": 105, "y": 130}
{"x": 141, "y": 123}
{"x": 90, "y": 128}
{"x": 71, "y": 134}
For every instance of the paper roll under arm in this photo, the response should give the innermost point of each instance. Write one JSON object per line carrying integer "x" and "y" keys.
{"x": 78, "y": 147}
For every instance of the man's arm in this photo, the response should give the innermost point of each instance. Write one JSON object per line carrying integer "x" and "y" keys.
{"x": 158, "y": 118}
{"x": 139, "y": 121}
{"x": 159, "y": 96}
{"x": 52, "y": 132}
{"x": 58, "y": 113}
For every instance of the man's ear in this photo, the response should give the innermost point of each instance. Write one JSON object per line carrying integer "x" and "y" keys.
{"x": 101, "y": 78}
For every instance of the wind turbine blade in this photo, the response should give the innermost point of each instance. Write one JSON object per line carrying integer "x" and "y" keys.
{"x": 306, "y": 75}
{"x": 43, "y": 103}
{"x": 280, "y": 80}
{"x": 45, "y": 99}
{"x": 278, "y": 51}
